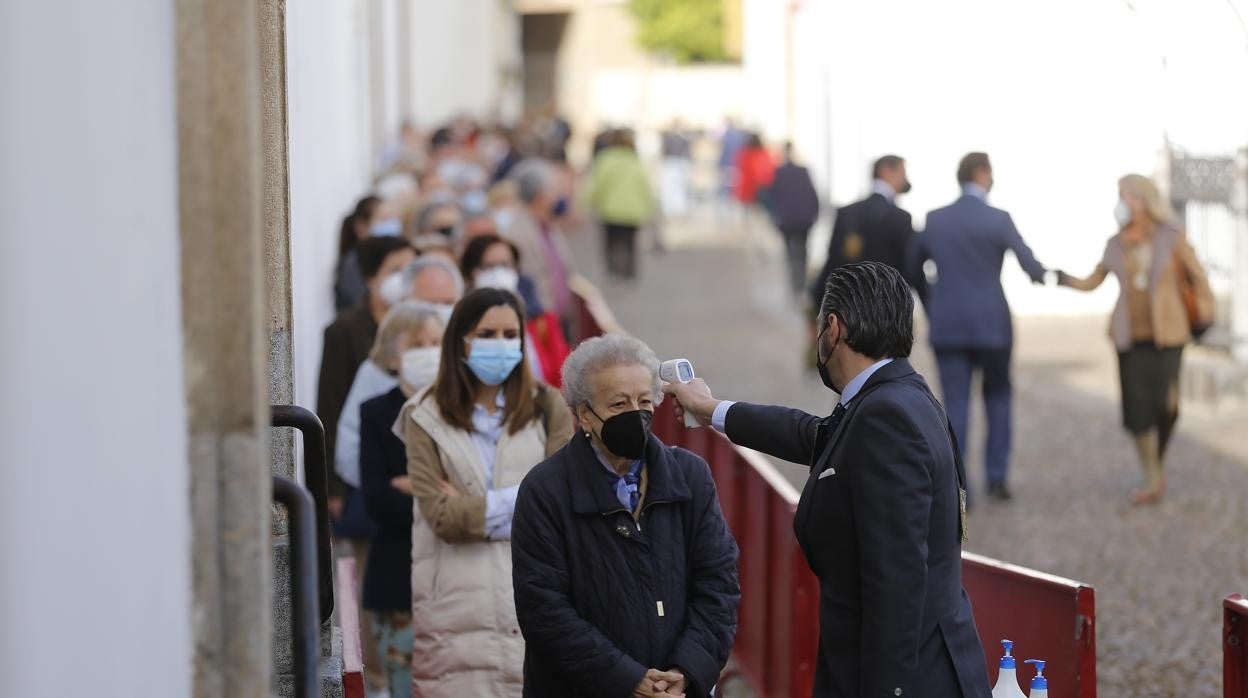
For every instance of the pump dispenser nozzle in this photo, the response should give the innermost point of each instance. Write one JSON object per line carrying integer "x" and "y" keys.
{"x": 1007, "y": 662}
{"x": 1039, "y": 684}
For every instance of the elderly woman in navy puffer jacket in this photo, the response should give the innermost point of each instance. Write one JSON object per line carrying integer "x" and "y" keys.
{"x": 624, "y": 570}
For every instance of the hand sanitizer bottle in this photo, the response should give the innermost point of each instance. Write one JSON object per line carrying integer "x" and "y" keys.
{"x": 1007, "y": 677}
{"x": 1039, "y": 684}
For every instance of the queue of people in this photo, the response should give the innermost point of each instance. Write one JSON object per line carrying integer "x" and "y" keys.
{"x": 447, "y": 379}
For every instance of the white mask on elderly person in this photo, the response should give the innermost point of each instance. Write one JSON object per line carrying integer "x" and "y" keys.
{"x": 419, "y": 367}
{"x": 444, "y": 311}
{"x": 392, "y": 290}
{"x": 500, "y": 277}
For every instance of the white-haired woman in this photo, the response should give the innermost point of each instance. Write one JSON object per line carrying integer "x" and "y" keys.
{"x": 1163, "y": 295}
{"x": 625, "y": 572}
{"x": 409, "y": 346}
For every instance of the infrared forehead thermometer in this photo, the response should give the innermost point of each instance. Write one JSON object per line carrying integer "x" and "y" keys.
{"x": 679, "y": 371}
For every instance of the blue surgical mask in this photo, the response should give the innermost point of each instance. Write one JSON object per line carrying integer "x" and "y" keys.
{"x": 561, "y": 206}
{"x": 386, "y": 227}
{"x": 493, "y": 360}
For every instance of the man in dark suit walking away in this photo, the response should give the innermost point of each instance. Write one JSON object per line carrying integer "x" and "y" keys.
{"x": 970, "y": 320}
{"x": 794, "y": 207}
{"x": 880, "y": 519}
{"x": 872, "y": 230}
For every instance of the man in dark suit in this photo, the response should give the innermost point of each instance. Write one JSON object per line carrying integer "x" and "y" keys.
{"x": 880, "y": 518}
{"x": 970, "y": 318}
{"x": 794, "y": 207}
{"x": 872, "y": 230}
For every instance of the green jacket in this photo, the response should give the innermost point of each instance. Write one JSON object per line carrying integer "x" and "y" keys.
{"x": 618, "y": 189}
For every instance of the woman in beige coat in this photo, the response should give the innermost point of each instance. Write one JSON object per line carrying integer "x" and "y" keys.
{"x": 471, "y": 438}
{"x": 1150, "y": 324}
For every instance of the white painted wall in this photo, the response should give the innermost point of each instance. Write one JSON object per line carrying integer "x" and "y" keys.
{"x": 460, "y": 51}
{"x": 331, "y": 159}
{"x": 94, "y": 515}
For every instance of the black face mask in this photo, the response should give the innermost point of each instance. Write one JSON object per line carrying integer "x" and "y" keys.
{"x": 823, "y": 361}
{"x": 626, "y": 433}
{"x": 905, "y": 187}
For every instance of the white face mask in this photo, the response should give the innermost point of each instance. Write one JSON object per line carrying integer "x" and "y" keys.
{"x": 419, "y": 367}
{"x": 392, "y": 289}
{"x": 501, "y": 277}
{"x": 503, "y": 218}
{"x": 1122, "y": 214}
{"x": 444, "y": 311}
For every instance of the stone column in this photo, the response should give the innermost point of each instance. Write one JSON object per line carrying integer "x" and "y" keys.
{"x": 224, "y": 335}
{"x": 275, "y": 176}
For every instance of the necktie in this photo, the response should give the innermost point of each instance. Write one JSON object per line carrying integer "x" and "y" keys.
{"x": 835, "y": 420}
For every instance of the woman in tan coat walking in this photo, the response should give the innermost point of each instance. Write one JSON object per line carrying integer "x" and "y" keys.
{"x": 471, "y": 438}
{"x": 1164, "y": 295}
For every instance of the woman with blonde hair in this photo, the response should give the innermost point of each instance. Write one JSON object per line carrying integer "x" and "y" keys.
{"x": 1164, "y": 297}
{"x": 470, "y": 439}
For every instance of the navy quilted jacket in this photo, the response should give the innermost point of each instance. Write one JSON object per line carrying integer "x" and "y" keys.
{"x": 601, "y": 597}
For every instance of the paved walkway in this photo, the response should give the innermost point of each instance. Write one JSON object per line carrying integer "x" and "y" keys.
{"x": 716, "y": 297}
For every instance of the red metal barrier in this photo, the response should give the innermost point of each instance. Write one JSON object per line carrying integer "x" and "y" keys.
{"x": 1234, "y": 656}
{"x": 778, "y": 620}
{"x": 347, "y": 605}
{"x": 1047, "y": 617}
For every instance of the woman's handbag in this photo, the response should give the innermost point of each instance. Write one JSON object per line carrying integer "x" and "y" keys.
{"x": 1198, "y": 322}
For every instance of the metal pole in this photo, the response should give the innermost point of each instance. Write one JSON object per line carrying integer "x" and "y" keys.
{"x": 303, "y": 584}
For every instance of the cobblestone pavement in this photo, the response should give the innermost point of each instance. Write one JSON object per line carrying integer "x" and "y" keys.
{"x": 716, "y": 297}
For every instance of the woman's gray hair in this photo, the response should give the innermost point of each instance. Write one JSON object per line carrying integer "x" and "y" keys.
{"x": 533, "y": 177}
{"x": 417, "y": 266}
{"x": 404, "y": 317}
{"x": 593, "y": 355}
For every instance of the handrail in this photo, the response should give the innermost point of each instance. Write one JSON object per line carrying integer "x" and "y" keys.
{"x": 315, "y": 474}
{"x": 303, "y": 582}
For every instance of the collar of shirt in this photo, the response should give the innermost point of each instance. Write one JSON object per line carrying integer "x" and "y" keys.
{"x": 973, "y": 189}
{"x": 488, "y": 423}
{"x": 879, "y": 186}
{"x": 855, "y": 384}
{"x": 634, "y": 470}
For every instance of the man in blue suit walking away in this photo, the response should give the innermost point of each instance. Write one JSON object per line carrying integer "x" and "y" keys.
{"x": 971, "y": 328}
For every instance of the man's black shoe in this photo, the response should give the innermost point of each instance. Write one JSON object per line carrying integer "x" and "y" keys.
{"x": 1000, "y": 492}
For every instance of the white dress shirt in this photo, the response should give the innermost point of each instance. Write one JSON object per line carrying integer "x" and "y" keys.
{"x": 487, "y": 429}
{"x": 884, "y": 189}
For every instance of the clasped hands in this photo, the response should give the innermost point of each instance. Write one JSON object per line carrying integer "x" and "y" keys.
{"x": 661, "y": 684}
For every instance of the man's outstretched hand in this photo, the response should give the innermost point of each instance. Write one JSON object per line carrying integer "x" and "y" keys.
{"x": 693, "y": 398}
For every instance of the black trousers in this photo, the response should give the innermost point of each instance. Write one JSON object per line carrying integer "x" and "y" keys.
{"x": 795, "y": 252}
{"x": 621, "y": 248}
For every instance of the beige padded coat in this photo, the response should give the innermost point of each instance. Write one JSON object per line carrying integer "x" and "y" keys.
{"x": 465, "y": 639}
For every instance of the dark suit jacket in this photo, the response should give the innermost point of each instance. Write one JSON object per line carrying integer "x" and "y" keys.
{"x": 882, "y": 533}
{"x": 966, "y": 305}
{"x": 383, "y": 457}
{"x": 792, "y": 199}
{"x": 871, "y": 230}
{"x": 347, "y": 343}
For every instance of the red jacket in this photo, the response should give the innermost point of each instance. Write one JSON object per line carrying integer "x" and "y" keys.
{"x": 755, "y": 170}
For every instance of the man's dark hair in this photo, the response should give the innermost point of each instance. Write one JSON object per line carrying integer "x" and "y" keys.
{"x": 874, "y": 304}
{"x": 442, "y": 136}
{"x": 888, "y": 162}
{"x": 373, "y": 252}
{"x": 972, "y": 163}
